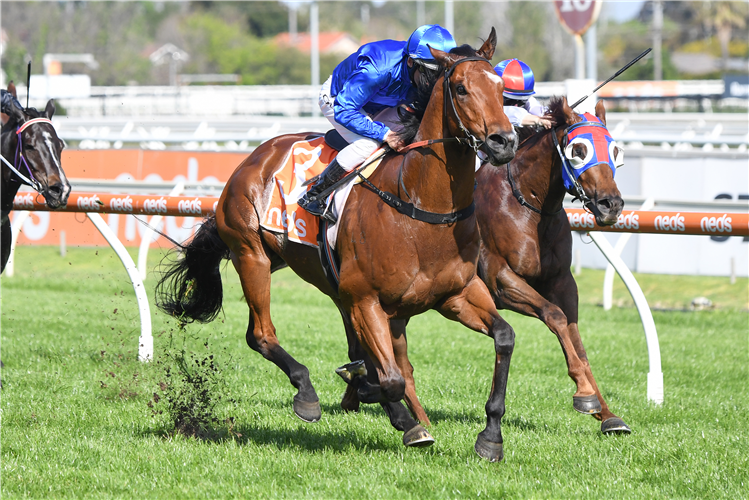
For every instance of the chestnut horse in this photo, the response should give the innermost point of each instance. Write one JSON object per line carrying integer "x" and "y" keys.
{"x": 526, "y": 250}
{"x": 435, "y": 266}
{"x": 30, "y": 144}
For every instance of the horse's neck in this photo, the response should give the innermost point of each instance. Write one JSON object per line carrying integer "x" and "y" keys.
{"x": 8, "y": 181}
{"x": 439, "y": 178}
{"x": 540, "y": 181}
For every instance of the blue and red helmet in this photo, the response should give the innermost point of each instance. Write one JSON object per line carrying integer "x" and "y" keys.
{"x": 434, "y": 36}
{"x": 518, "y": 77}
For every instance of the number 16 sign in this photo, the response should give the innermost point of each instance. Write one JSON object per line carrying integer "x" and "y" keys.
{"x": 577, "y": 15}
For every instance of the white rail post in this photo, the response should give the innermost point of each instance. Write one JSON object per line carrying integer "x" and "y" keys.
{"x": 608, "y": 277}
{"x": 145, "y": 242}
{"x": 145, "y": 342}
{"x": 655, "y": 375}
{"x": 16, "y": 225}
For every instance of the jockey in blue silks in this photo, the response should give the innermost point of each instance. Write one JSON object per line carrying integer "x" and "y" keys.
{"x": 520, "y": 106}
{"x": 361, "y": 97}
{"x": 7, "y": 100}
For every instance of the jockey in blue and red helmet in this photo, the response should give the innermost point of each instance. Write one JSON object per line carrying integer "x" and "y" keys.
{"x": 519, "y": 104}
{"x": 361, "y": 96}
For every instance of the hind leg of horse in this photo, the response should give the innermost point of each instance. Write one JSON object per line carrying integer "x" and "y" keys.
{"x": 517, "y": 295}
{"x": 350, "y": 399}
{"x": 568, "y": 302}
{"x": 475, "y": 309}
{"x": 254, "y": 273}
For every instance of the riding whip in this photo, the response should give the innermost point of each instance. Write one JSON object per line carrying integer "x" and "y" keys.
{"x": 28, "y": 84}
{"x": 615, "y": 75}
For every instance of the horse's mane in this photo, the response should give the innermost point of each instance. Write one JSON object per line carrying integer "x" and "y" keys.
{"x": 411, "y": 118}
{"x": 12, "y": 122}
{"x": 528, "y": 136}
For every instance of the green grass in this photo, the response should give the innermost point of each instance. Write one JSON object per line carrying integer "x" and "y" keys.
{"x": 76, "y": 424}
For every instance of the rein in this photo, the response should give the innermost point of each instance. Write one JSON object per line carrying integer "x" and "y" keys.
{"x": 471, "y": 140}
{"x": 31, "y": 180}
{"x": 521, "y": 199}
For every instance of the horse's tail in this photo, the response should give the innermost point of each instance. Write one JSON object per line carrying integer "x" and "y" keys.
{"x": 190, "y": 288}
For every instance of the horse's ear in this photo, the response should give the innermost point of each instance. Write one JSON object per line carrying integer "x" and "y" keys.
{"x": 445, "y": 59}
{"x": 601, "y": 111}
{"x": 570, "y": 116}
{"x": 50, "y": 109}
{"x": 487, "y": 50}
{"x": 12, "y": 89}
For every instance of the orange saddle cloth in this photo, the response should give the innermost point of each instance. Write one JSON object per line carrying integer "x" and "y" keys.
{"x": 306, "y": 159}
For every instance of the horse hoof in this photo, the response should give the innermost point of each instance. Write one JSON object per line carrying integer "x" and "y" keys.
{"x": 488, "y": 450}
{"x": 350, "y": 370}
{"x": 350, "y": 401}
{"x": 587, "y": 405}
{"x": 418, "y": 437}
{"x": 615, "y": 425}
{"x": 308, "y": 411}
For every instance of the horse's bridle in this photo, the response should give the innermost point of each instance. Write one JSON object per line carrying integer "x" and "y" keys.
{"x": 471, "y": 140}
{"x": 578, "y": 193}
{"x": 19, "y": 158}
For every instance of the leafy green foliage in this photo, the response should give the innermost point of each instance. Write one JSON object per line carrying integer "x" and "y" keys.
{"x": 222, "y": 47}
{"x": 528, "y": 25}
{"x": 266, "y": 19}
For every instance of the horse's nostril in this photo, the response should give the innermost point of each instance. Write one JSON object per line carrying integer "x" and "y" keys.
{"x": 502, "y": 139}
{"x": 56, "y": 190}
{"x": 604, "y": 203}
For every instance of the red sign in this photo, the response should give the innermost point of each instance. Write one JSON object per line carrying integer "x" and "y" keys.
{"x": 577, "y": 15}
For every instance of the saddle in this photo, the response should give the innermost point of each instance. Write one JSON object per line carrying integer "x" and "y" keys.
{"x": 306, "y": 160}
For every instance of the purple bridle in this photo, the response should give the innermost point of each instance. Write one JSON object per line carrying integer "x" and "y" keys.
{"x": 31, "y": 180}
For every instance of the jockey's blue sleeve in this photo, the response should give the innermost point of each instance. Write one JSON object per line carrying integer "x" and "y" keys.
{"x": 7, "y": 100}
{"x": 358, "y": 90}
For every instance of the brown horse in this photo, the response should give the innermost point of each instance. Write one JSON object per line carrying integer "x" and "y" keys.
{"x": 526, "y": 250}
{"x": 436, "y": 261}
{"x": 31, "y": 146}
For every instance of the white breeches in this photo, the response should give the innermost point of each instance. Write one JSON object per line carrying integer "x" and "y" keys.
{"x": 360, "y": 148}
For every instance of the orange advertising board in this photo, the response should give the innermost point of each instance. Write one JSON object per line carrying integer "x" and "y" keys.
{"x": 44, "y": 228}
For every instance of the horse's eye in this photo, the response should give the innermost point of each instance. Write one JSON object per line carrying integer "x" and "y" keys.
{"x": 461, "y": 90}
{"x": 28, "y": 147}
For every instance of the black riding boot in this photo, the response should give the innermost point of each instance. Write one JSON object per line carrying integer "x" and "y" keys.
{"x": 313, "y": 200}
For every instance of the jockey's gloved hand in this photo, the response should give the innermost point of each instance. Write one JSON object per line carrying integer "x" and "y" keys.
{"x": 9, "y": 100}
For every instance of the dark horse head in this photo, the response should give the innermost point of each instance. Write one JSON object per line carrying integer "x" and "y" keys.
{"x": 29, "y": 142}
{"x": 589, "y": 158}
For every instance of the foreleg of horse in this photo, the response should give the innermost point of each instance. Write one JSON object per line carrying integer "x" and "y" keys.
{"x": 254, "y": 273}
{"x": 475, "y": 309}
{"x": 373, "y": 331}
{"x": 568, "y": 302}
{"x": 517, "y": 295}
{"x": 6, "y": 237}
{"x": 350, "y": 400}
{"x": 400, "y": 349}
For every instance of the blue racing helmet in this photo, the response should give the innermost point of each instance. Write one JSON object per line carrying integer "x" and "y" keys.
{"x": 518, "y": 77}
{"x": 432, "y": 35}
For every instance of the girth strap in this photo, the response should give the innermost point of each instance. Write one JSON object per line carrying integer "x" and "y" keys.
{"x": 417, "y": 214}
